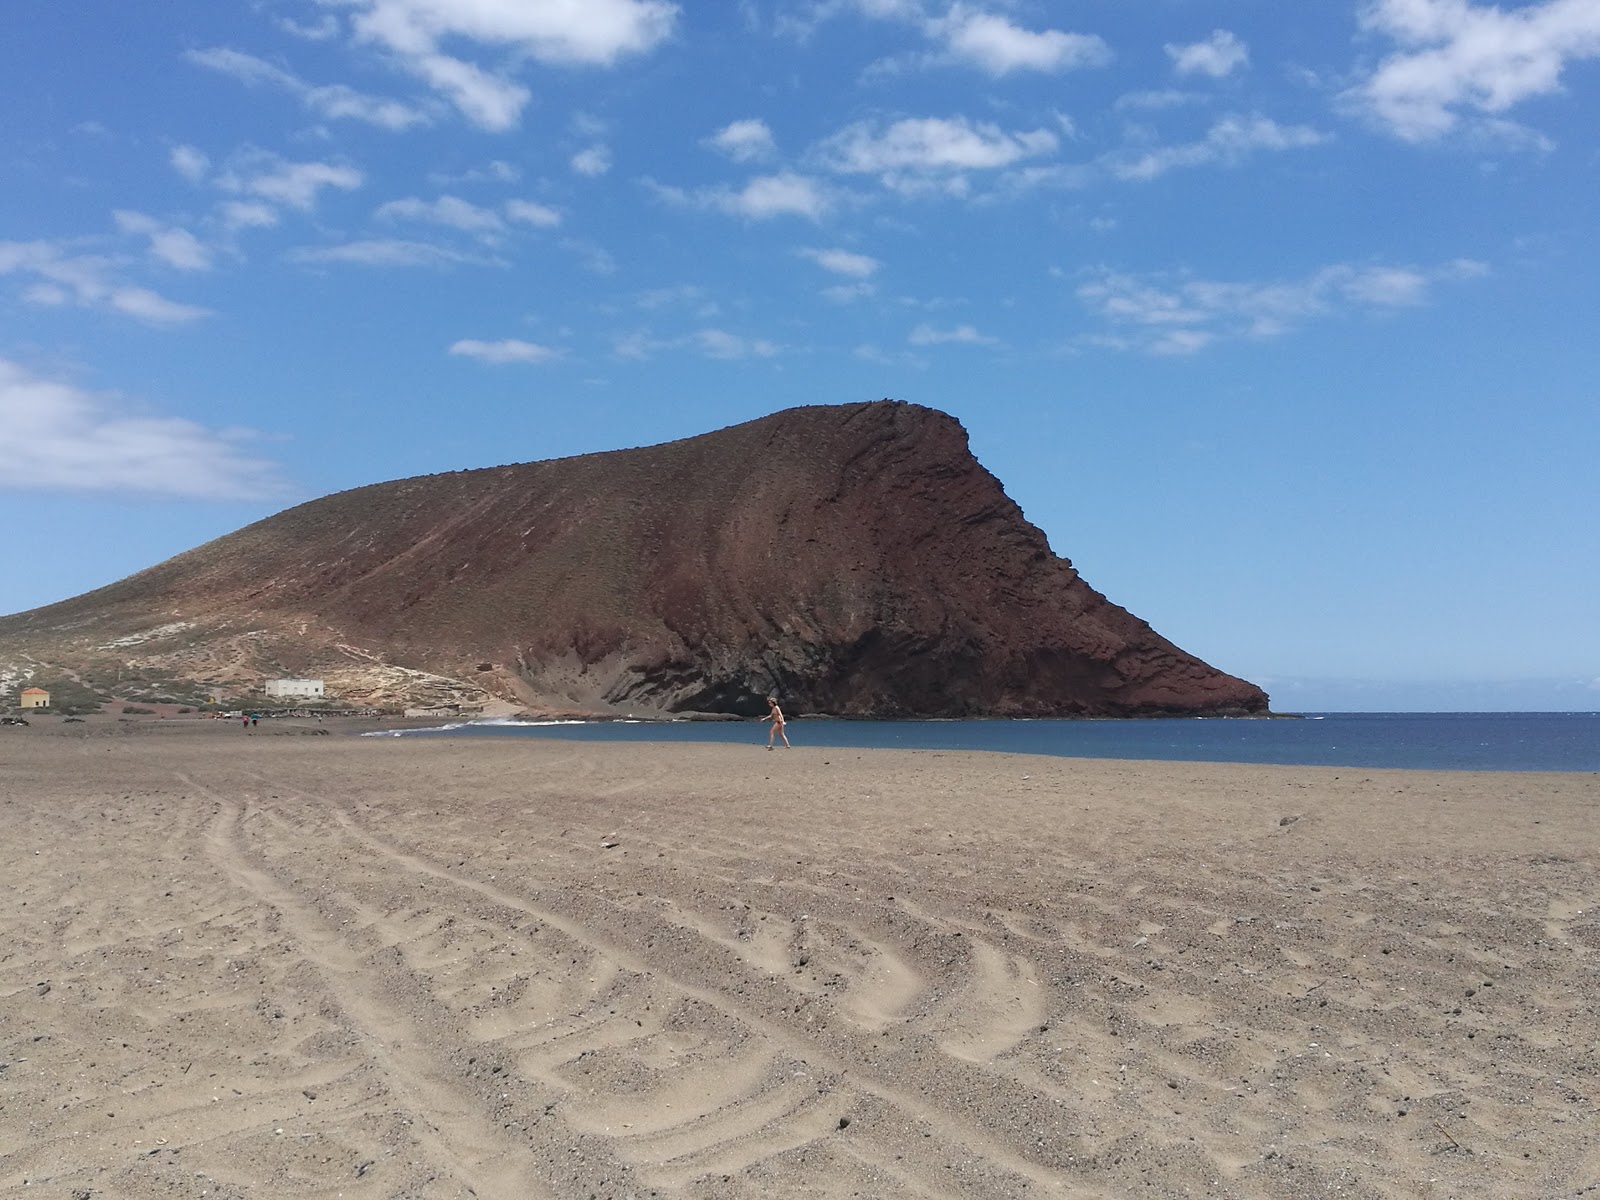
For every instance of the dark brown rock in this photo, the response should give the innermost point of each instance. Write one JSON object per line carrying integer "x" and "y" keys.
{"x": 853, "y": 559}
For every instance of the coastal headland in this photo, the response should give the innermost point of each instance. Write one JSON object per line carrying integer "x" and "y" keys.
{"x": 240, "y": 965}
{"x": 854, "y": 559}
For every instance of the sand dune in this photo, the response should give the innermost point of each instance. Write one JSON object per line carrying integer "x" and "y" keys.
{"x": 256, "y": 966}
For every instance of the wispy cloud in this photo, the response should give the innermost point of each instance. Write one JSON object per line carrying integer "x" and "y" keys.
{"x": 1154, "y": 100}
{"x": 175, "y": 247}
{"x": 495, "y": 171}
{"x": 192, "y": 164}
{"x": 710, "y": 342}
{"x": 385, "y": 252}
{"x": 1165, "y": 314}
{"x": 994, "y": 44}
{"x": 541, "y": 216}
{"x": 960, "y": 335}
{"x": 508, "y": 350}
{"x": 719, "y": 343}
{"x": 762, "y": 198}
{"x": 842, "y": 262}
{"x": 1455, "y": 55}
{"x": 61, "y": 275}
{"x": 329, "y": 101}
{"x": 62, "y": 437}
{"x": 928, "y": 146}
{"x": 593, "y": 33}
{"x": 311, "y": 31}
{"x": 1216, "y": 56}
{"x": 965, "y": 35}
{"x": 449, "y": 211}
{"x": 292, "y": 184}
{"x": 1230, "y": 140}
{"x": 591, "y": 161}
{"x": 744, "y": 141}
{"x": 686, "y": 296}
{"x": 848, "y": 293}
{"x": 488, "y": 225}
{"x": 247, "y": 214}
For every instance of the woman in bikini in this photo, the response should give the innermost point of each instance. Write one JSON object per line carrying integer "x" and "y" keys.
{"x": 775, "y": 715}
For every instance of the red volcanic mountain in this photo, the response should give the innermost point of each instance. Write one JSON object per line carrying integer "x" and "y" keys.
{"x": 851, "y": 559}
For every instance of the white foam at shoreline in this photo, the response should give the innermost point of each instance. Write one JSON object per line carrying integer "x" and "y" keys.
{"x": 489, "y": 722}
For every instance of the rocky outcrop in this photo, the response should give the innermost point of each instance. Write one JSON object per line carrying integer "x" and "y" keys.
{"x": 853, "y": 559}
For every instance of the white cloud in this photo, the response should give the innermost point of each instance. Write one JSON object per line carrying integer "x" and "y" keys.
{"x": 590, "y": 32}
{"x": 1457, "y": 55}
{"x": 1218, "y": 55}
{"x": 1230, "y": 140}
{"x": 1182, "y": 314}
{"x": 529, "y": 213}
{"x": 1151, "y": 101}
{"x": 89, "y": 281}
{"x": 592, "y": 161}
{"x": 995, "y": 45}
{"x": 764, "y": 197}
{"x": 175, "y": 247}
{"x": 190, "y": 163}
{"x": 62, "y": 437}
{"x": 487, "y": 100}
{"x": 383, "y": 252}
{"x": 637, "y": 346}
{"x": 247, "y": 214}
{"x": 929, "y": 145}
{"x": 711, "y": 342}
{"x": 842, "y": 262}
{"x": 685, "y": 295}
{"x": 509, "y": 350}
{"x": 450, "y": 211}
{"x": 332, "y": 101}
{"x": 595, "y": 258}
{"x": 495, "y": 171}
{"x": 293, "y": 184}
{"x": 785, "y": 194}
{"x": 848, "y": 293}
{"x": 310, "y": 31}
{"x": 744, "y": 141}
{"x": 961, "y": 335}
{"x": 719, "y": 343}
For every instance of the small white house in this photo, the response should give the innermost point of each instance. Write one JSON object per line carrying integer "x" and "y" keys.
{"x": 297, "y": 689}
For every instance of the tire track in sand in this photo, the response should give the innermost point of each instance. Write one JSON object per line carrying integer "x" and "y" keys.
{"x": 452, "y": 1126}
{"x": 707, "y": 1144}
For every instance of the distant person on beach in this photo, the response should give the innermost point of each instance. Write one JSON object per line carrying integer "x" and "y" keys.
{"x": 775, "y": 715}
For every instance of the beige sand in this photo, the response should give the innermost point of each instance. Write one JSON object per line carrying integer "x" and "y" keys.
{"x": 285, "y": 966}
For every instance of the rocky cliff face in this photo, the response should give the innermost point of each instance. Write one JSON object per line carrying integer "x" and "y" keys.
{"x": 853, "y": 559}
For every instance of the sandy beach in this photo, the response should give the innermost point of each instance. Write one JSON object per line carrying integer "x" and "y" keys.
{"x": 275, "y": 965}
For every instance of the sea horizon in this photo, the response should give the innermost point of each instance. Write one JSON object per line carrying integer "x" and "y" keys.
{"x": 1470, "y": 741}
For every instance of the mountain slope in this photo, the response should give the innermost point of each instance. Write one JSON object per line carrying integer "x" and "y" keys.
{"x": 854, "y": 559}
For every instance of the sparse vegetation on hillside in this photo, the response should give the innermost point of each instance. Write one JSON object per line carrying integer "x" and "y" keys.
{"x": 68, "y": 696}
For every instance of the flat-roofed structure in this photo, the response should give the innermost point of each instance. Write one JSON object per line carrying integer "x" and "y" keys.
{"x": 294, "y": 689}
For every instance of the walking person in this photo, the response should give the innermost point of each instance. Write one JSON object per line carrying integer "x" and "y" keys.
{"x": 775, "y": 715}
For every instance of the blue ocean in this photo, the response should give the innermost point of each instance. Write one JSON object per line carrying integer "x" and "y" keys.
{"x": 1418, "y": 741}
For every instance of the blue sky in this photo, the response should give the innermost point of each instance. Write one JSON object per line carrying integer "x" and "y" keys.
{"x": 1278, "y": 319}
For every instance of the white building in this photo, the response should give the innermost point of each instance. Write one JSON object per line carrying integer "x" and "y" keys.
{"x": 299, "y": 689}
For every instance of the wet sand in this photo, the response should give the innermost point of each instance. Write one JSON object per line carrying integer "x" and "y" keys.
{"x": 277, "y": 965}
